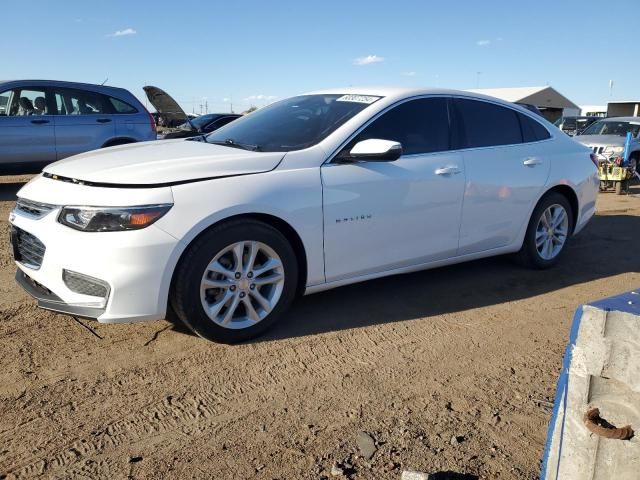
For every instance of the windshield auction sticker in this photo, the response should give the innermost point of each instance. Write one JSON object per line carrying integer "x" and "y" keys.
{"x": 368, "y": 99}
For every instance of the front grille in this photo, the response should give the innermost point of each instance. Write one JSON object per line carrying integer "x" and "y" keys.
{"x": 84, "y": 284}
{"x": 33, "y": 209}
{"x": 27, "y": 249}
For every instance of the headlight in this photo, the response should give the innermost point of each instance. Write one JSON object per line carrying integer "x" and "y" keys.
{"x": 615, "y": 149}
{"x": 111, "y": 219}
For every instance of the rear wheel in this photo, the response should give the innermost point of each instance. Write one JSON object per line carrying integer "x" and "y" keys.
{"x": 235, "y": 281}
{"x": 621, "y": 187}
{"x": 548, "y": 232}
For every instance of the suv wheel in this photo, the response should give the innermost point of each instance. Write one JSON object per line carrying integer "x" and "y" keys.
{"x": 235, "y": 281}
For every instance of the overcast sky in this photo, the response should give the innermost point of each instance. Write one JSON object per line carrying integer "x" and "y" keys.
{"x": 252, "y": 52}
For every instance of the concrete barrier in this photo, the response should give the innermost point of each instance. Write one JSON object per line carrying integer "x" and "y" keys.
{"x": 601, "y": 369}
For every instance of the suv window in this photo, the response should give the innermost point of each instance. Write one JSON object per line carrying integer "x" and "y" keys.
{"x": 80, "y": 102}
{"x": 24, "y": 102}
{"x": 532, "y": 131}
{"x": 4, "y": 102}
{"x": 421, "y": 126}
{"x": 485, "y": 124}
{"x": 121, "y": 107}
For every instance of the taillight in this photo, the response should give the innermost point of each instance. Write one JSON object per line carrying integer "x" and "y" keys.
{"x": 594, "y": 159}
{"x": 152, "y": 120}
{"x": 153, "y": 123}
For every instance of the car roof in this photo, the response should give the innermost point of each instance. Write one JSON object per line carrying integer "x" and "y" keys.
{"x": 57, "y": 83}
{"x": 399, "y": 93}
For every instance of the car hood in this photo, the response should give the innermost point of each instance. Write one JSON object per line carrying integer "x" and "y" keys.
{"x": 166, "y": 106}
{"x": 608, "y": 140}
{"x": 162, "y": 163}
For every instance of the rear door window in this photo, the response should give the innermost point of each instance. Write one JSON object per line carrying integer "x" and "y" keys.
{"x": 421, "y": 126}
{"x": 81, "y": 102}
{"x": 486, "y": 124}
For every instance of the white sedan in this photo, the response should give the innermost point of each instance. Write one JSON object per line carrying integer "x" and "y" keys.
{"x": 310, "y": 193}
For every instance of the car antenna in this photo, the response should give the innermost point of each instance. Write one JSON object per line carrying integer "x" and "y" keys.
{"x": 105, "y": 81}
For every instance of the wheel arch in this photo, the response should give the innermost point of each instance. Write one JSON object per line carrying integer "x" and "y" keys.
{"x": 112, "y": 142}
{"x": 278, "y": 223}
{"x": 571, "y": 196}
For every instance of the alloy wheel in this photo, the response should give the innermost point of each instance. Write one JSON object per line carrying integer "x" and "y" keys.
{"x": 552, "y": 231}
{"x": 242, "y": 284}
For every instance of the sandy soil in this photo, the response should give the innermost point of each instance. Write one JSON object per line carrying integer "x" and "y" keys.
{"x": 471, "y": 351}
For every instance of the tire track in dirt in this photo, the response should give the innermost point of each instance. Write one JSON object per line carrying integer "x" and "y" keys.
{"x": 203, "y": 407}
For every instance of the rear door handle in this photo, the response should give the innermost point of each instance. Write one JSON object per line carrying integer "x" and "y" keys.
{"x": 103, "y": 120}
{"x": 39, "y": 122}
{"x": 450, "y": 170}
{"x": 531, "y": 162}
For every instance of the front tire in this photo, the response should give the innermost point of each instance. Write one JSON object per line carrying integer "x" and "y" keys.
{"x": 620, "y": 187}
{"x": 547, "y": 233}
{"x": 235, "y": 281}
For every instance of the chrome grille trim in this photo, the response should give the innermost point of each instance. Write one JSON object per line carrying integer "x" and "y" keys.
{"x": 28, "y": 249}
{"x": 31, "y": 209}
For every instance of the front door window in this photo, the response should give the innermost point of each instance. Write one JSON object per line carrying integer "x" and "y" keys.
{"x": 23, "y": 102}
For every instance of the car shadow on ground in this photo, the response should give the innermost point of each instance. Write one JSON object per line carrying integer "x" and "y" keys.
{"x": 607, "y": 247}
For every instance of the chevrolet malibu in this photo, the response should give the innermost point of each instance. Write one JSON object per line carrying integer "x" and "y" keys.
{"x": 310, "y": 193}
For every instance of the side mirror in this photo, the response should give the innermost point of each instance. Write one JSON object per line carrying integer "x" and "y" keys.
{"x": 375, "y": 150}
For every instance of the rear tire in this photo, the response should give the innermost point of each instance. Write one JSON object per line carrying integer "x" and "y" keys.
{"x": 548, "y": 232}
{"x": 235, "y": 281}
{"x": 620, "y": 187}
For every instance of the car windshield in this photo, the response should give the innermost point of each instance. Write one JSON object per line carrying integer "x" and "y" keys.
{"x": 610, "y": 127}
{"x": 292, "y": 124}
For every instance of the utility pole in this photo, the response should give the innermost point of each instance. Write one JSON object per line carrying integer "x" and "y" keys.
{"x": 610, "y": 88}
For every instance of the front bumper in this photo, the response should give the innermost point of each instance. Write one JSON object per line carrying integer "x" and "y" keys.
{"x": 136, "y": 266}
{"x": 50, "y": 301}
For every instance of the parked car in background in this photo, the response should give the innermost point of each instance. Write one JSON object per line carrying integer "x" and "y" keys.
{"x": 607, "y": 138}
{"x": 169, "y": 114}
{"x": 44, "y": 121}
{"x": 574, "y": 125}
{"x": 174, "y": 122}
{"x": 202, "y": 124}
{"x": 306, "y": 194}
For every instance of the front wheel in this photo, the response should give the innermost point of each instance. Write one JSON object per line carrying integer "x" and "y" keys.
{"x": 235, "y": 281}
{"x": 548, "y": 232}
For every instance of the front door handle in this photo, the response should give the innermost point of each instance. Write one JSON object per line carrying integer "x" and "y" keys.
{"x": 39, "y": 122}
{"x": 103, "y": 120}
{"x": 531, "y": 162}
{"x": 450, "y": 170}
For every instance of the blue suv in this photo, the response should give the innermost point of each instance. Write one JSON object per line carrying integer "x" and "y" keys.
{"x": 42, "y": 121}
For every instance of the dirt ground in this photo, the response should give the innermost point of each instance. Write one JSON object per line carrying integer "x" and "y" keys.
{"x": 470, "y": 352}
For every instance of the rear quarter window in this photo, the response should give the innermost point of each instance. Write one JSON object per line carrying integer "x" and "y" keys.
{"x": 121, "y": 107}
{"x": 532, "y": 131}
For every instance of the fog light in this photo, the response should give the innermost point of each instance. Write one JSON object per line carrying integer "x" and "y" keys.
{"x": 84, "y": 284}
